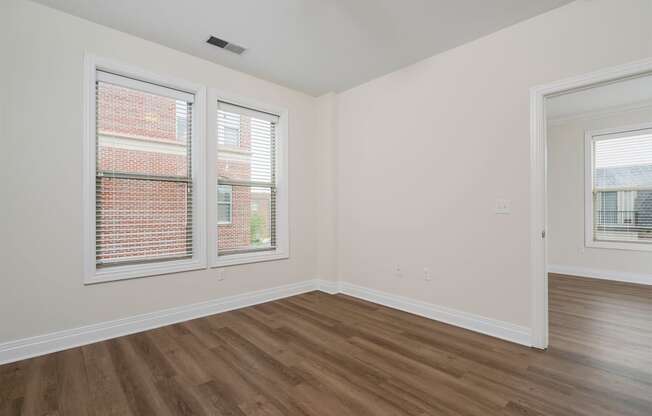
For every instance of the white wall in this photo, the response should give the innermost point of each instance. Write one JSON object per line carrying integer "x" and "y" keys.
{"x": 402, "y": 170}
{"x": 41, "y": 273}
{"x": 4, "y": 52}
{"x": 424, "y": 152}
{"x": 566, "y": 161}
{"x": 325, "y": 215}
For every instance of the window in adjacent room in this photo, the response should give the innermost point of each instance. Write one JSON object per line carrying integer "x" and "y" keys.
{"x": 619, "y": 188}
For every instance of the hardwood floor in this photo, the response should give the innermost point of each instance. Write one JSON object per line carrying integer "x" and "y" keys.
{"x": 318, "y": 354}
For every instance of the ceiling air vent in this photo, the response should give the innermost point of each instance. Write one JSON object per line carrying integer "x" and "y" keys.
{"x": 221, "y": 43}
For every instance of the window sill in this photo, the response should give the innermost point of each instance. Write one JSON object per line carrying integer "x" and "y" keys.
{"x": 223, "y": 148}
{"x": 115, "y": 273}
{"x": 618, "y": 245}
{"x": 247, "y": 258}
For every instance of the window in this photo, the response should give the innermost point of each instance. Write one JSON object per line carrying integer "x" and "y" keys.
{"x": 228, "y": 129}
{"x": 144, "y": 190}
{"x": 619, "y": 188}
{"x": 147, "y": 172}
{"x": 224, "y": 193}
{"x": 251, "y": 179}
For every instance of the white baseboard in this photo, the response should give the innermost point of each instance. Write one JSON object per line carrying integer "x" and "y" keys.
{"x": 499, "y": 329}
{"x": 618, "y": 276}
{"x": 57, "y": 341}
{"x": 328, "y": 286}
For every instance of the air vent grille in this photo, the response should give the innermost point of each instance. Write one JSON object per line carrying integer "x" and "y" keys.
{"x": 221, "y": 43}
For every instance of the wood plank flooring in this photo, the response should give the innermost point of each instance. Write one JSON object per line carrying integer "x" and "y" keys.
{"x": 318, "y": 354}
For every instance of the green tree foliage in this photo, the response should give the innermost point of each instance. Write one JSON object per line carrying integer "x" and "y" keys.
{"x": 256, "y": 228}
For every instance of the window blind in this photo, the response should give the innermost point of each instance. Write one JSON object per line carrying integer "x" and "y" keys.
{"x": 143, "y": 197}
{"x": 622, "y": 187}
{"x": 247, "y": 166}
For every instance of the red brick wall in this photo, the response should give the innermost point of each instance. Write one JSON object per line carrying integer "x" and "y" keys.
{"x": 142, "y": 218}
{"x": 138, "y": 217}
{"x": 146, "y": 163}
{"x": 127, "y": 112}
{"x": 237, "y": 234}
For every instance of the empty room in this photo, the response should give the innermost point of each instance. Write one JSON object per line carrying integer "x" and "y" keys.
{"x": 326, "y": 207}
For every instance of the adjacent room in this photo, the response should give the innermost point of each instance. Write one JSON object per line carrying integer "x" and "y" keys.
{"x": 326, "y": 207}
{"x": 599, "y": 188}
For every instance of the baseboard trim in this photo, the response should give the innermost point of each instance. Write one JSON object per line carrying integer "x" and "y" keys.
{"x": 57, "y": 341}
{"x": 498, "y": 329}
{"x": 639, "y": 278}
{"x": 328, "y": 286}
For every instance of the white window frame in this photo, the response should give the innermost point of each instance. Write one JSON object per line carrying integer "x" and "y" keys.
{"x": 230, "y": 204}
{"x": 282, "y": 250}
{"x": 198, "y": 260}
{"x": 590, "y": 137}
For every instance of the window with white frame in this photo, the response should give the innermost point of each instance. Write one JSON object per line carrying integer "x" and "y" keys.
{"x": 146, "y": 170}
{"x": 224, "y": 204}
{"x": 143, "y": 196}
{"x": 250, "y": 168}
{"x": 619, "y": 188}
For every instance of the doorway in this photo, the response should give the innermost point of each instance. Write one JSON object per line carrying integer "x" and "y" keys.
{"x": 541, "y": 96}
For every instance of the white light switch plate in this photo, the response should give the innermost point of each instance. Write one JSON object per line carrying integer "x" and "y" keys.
{"x": 502, "y": 206}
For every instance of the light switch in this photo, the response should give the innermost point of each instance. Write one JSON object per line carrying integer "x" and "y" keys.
{"x": 502, "y": 206}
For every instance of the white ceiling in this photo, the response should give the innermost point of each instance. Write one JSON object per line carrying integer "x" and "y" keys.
{"x": 601, "y": 98}
{"x": 315, "y": 46}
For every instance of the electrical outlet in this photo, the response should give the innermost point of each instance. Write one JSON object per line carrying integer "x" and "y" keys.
{"x": 426, "y": 274}
{"x": 397, "y": 271}
{"x": 220, "y": 275}
{"x": 502, "y": 206}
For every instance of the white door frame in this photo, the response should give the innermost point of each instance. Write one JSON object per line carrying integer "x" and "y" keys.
{"x": 538, "y": 211}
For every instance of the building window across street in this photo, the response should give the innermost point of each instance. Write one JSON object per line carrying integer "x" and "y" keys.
{"x": 224, "y": 204}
